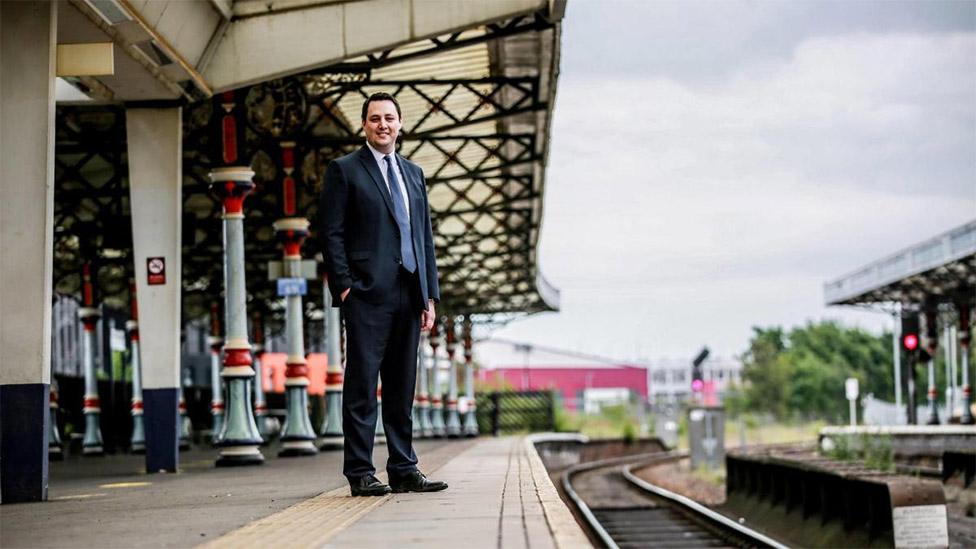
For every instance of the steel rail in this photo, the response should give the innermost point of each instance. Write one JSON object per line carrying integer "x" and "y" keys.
{"x": 581, "y": 505}
{"x": 682, "y": 503}
{"x": 699, "y": 509}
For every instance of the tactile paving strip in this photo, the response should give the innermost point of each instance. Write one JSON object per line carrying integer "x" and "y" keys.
{"x": 307, "y": 524}
{"x": 313, "y": 522}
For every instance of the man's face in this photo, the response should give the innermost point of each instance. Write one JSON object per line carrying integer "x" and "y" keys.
{"x": 382, "y": 125}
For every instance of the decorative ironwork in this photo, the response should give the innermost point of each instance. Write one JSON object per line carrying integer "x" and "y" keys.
{"x": 481, "y": 177}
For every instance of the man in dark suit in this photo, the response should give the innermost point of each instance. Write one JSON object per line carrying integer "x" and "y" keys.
{"x": 379, "y": 256}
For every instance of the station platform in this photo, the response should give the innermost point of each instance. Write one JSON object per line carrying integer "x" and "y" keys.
{"x": 499, "y": 496}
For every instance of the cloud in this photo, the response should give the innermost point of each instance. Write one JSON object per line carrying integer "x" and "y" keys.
{"x": 698, "y": 209}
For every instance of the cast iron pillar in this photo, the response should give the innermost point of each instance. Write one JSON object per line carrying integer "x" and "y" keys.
{"x": 965, "y": 334}
{"x": 437, "y": 426}
{"x": 470, "y": 416}
{"x": 137, "y": 443}
{"x": 216, "y": 385}
{"x": 260, "y": 403}
{"x": 89, "y": 315}
{"x": 332, "y": 424}
{"x": 422, "y": 400}
{"x": 380, "y": 433}
{"x": 453, "y": 420}
{"x": 184, "y": 419}
{"x": 297, "y": 435}
{"x": 932, "y": 346}
{"x": 239, "y": 439}
{"x": 54, "y": 452}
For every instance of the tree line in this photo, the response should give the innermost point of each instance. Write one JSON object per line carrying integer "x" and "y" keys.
{"x": 800, "y": 373}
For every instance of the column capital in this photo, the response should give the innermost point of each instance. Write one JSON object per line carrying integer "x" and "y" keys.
{"x": 292, "y": 232}
{"x": 231, "y": 185}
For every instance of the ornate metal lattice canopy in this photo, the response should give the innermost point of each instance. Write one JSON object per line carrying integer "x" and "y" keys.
{"x": 477, "y": 106}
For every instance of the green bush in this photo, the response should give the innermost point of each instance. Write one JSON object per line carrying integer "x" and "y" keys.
{"x": 629, "y": 434}
{"x": 874, "y": 450}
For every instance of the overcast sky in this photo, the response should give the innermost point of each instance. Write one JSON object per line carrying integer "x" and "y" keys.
{"x": 714, "y": 163}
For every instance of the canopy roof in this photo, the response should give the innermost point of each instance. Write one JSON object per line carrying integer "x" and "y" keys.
{"x": 941, "y": 269}
{"x": 477, "y": 104}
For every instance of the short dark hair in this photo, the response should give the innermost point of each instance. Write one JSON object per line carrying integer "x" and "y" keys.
{"x": 381, "y": 96}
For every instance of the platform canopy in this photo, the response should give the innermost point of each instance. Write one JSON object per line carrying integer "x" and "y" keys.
{"x": 476, "y": 81}
{"x": 939, "y": 270}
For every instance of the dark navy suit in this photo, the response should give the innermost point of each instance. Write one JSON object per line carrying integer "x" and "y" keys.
{"x": 361, "y": 242}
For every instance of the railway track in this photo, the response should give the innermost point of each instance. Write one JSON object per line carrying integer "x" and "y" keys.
{"x": 625, "y": 511}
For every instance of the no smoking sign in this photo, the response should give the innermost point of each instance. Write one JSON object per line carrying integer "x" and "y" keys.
{"x": 156, "y": 270}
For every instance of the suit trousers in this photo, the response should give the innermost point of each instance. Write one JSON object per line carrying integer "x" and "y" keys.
{"x": 381, "y": 341}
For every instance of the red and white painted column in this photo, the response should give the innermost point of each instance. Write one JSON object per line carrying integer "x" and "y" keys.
{"x": 54, "y": 451}
{"x": 437, "y": 426}
{"x": 470, "y": 417}
{"x": 453, "y": 420}
{"x": 216, "y": 342}
{"x": 380, "y": 430}
{"x": 240, "y": 438}
{"x": 260, "y": 403}
{"x": 965, "y": 337}
{"x": 421, "y": 402}
{"x": 297, "y": 435}
{"x": 92, "y": 407}
{"x": 332, "y": 425}
{"x": 184, "y": 420}
{"x": 137, "y": 443}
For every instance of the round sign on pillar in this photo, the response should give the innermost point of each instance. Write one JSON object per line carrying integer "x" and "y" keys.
{"x": 156, "y": 270}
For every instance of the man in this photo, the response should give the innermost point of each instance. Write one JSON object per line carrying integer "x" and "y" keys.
{"x": 379, "y": 255}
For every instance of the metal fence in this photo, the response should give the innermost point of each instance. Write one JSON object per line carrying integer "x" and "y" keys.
{"x": 502, "y": 412}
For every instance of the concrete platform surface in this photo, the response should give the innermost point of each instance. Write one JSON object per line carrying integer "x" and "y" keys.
{"x": 499, "y": 496}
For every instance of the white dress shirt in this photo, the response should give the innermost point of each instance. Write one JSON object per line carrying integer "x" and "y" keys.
{"x": 396, "y": 170}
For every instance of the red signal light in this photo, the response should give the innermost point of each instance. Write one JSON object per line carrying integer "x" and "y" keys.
{"x": 697, "y": 385}
{"x": 910, "y": 342}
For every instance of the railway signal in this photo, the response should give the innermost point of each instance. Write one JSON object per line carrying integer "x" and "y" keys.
{"x": 697, "y": 373}
{"x": 910, "y": 343}
{"x": 910, "y": 333}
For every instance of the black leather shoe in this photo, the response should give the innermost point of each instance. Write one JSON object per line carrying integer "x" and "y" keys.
{"x": 368, "y": 485}
{"x": 416, "y": 482}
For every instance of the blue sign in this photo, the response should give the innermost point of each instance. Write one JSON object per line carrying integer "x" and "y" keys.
{"x": 292, "y": 286}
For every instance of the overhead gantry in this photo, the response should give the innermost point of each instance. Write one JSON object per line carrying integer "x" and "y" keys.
{"x": 202, "y": 89}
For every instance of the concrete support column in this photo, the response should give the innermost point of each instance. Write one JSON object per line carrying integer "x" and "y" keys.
{"x": 437, "y": 426}
{"x": 421, "y": 403}
{"x": 240, "y": 440}
{"x": 137, "y": 443}
{"x": 260, "y": 404}
{"x": 297, "y": 435}
{"x": 216, "y": 384}
{"x": 470, "y": 416}
{"x": 965, "y": 335}
{"x": 28, "y": 36}
{"x": 92, "y": 407}
{"x": 453, "y": 419}
{"x": 155, "y": 147}
{"x": 932, "y": 346}
{"x": 332, "y": 425}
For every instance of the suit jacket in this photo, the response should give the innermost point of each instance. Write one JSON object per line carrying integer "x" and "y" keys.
{"x": 360, "y": 236}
